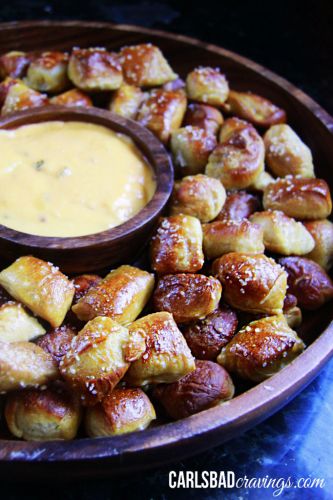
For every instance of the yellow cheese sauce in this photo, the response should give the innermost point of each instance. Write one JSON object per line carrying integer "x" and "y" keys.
{"x": 70, "y": 179}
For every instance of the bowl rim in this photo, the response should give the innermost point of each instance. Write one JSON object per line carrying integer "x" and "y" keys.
{"x": 164, "y": 442}
{"x": 151, "y": 148}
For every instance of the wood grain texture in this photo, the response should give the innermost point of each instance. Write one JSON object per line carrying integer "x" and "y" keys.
{"x": 160, "y": 445}
{"x": 120, "y": 244}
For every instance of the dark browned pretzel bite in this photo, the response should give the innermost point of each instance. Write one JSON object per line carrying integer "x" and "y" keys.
{"x": 187, "y": 296}
{"x": 73, "y": 97}
{"x": 207, "y": 386}
{"x": 308, "y": 281}
{"x": 206, "y": 337}
{"x": 239, "y": 205}
{"x": 203, "y": 116}
{"x": 15, "y": 64}
{"x": 57, "y": 341}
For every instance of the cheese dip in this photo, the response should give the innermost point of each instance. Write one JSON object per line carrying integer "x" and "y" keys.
{"x": 70, "y": 179}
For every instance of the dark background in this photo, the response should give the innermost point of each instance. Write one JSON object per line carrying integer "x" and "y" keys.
{"x": 294, "y": 39}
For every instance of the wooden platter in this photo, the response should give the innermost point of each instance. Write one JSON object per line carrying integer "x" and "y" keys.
{"x": 173, "y": 441}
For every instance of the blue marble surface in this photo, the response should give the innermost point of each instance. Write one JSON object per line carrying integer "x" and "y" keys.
{"x": 296, "y": 42}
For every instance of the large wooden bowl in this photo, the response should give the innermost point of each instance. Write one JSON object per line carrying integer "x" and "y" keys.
{"x": 106, "y": 456}
{"x": 108, "y": 248}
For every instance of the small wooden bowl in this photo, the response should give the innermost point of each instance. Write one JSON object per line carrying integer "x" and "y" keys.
{"x": 122, "y": 243}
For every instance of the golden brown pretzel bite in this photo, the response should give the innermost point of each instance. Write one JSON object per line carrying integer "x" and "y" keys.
{"x": 73, "y": 97}
{"x": 207, "y": 85}
{"x": 121, "y": 295}
{"x": 48, "y": 72}
{"x": 207, "y": 386}
{"x": 190, "y": 148}
{"x": 126, "y": 101}
{"x": 187, "y": 296}
{"x": 36, "y": 415}
{"x": 322, "y": 233}
{"x": 19, "y": 96}
{"x": 299, "y": 198}
{"x": 286, "y": 154}
{"x": 283, "y": 234}
{"x": 252, "y": 282}
{"x": 123, "y": 410}
{"x": 177, "y": 245}
{"x": 199, "y": 196}
{"x": 94, "y": 69}
{"x": 224, "y": 236}
{"x": 24, "y": 364}
{"x": 239, "y": 158}
{"x": 162, "y": 112}
{"x": 261, "y": 349}
{"x": 98, "y": 359}
{"x": 254, "y": 108}
{"x": 17, "y": 325}
{"x": 145, "y": 66}
{"x": 40, "y": 286}
{"x": 166, "y": 356}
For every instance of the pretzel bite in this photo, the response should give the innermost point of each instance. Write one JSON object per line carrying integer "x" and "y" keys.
{"x": 207, "y": 386}
{"x": 199, "y": 196}
{"x": 73, "y": 97}
{"x": 190, "y": 148}
{"x": 299, "y": 198}
{"x": 187, "y": 296}
{"x": 48, "y": 72}
{"x": 166, "y": 357}
{"x": 262, "y": 181}
{"x": 145, "y": 66}
{"x": 291, "y": 312}
{"x": 126, "y": 101}
{"x": 282, "y": 234}
{"x": 122, "y": 411}
{"x": 121, "y": 295}
{"x": 224, "y": 236}
{"x": 83, "y": 283}
{"x": 252, "y": 282}
{"x": 14, "y": 64}
{"x": 40, "y": 286}
{"x": 177, "y": 245}
{"x": 19, "y": 96}
{"x": 239, "y": 158}
{"x": 207, "y": 85}
{"x": 36, "y": 415}
{"x": 162, "y": 112}
{"x": 261, "y": 349}
{"x": 203, "y": 116}
{"x": 94, "y": 69}
{"x": 322, "y": 233}
{"x": 57, "y": 341}
{"x": 16, "y": 324}
{"x": 206, "y": 337}
{"x": 24, "y": 364}
{"x": 309, "y": 282}
{"x": 286, "y": 153}
{"x": 255, "y": 109}
{"x": 98, "y": 359}
{"x": 239, "y": 205}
